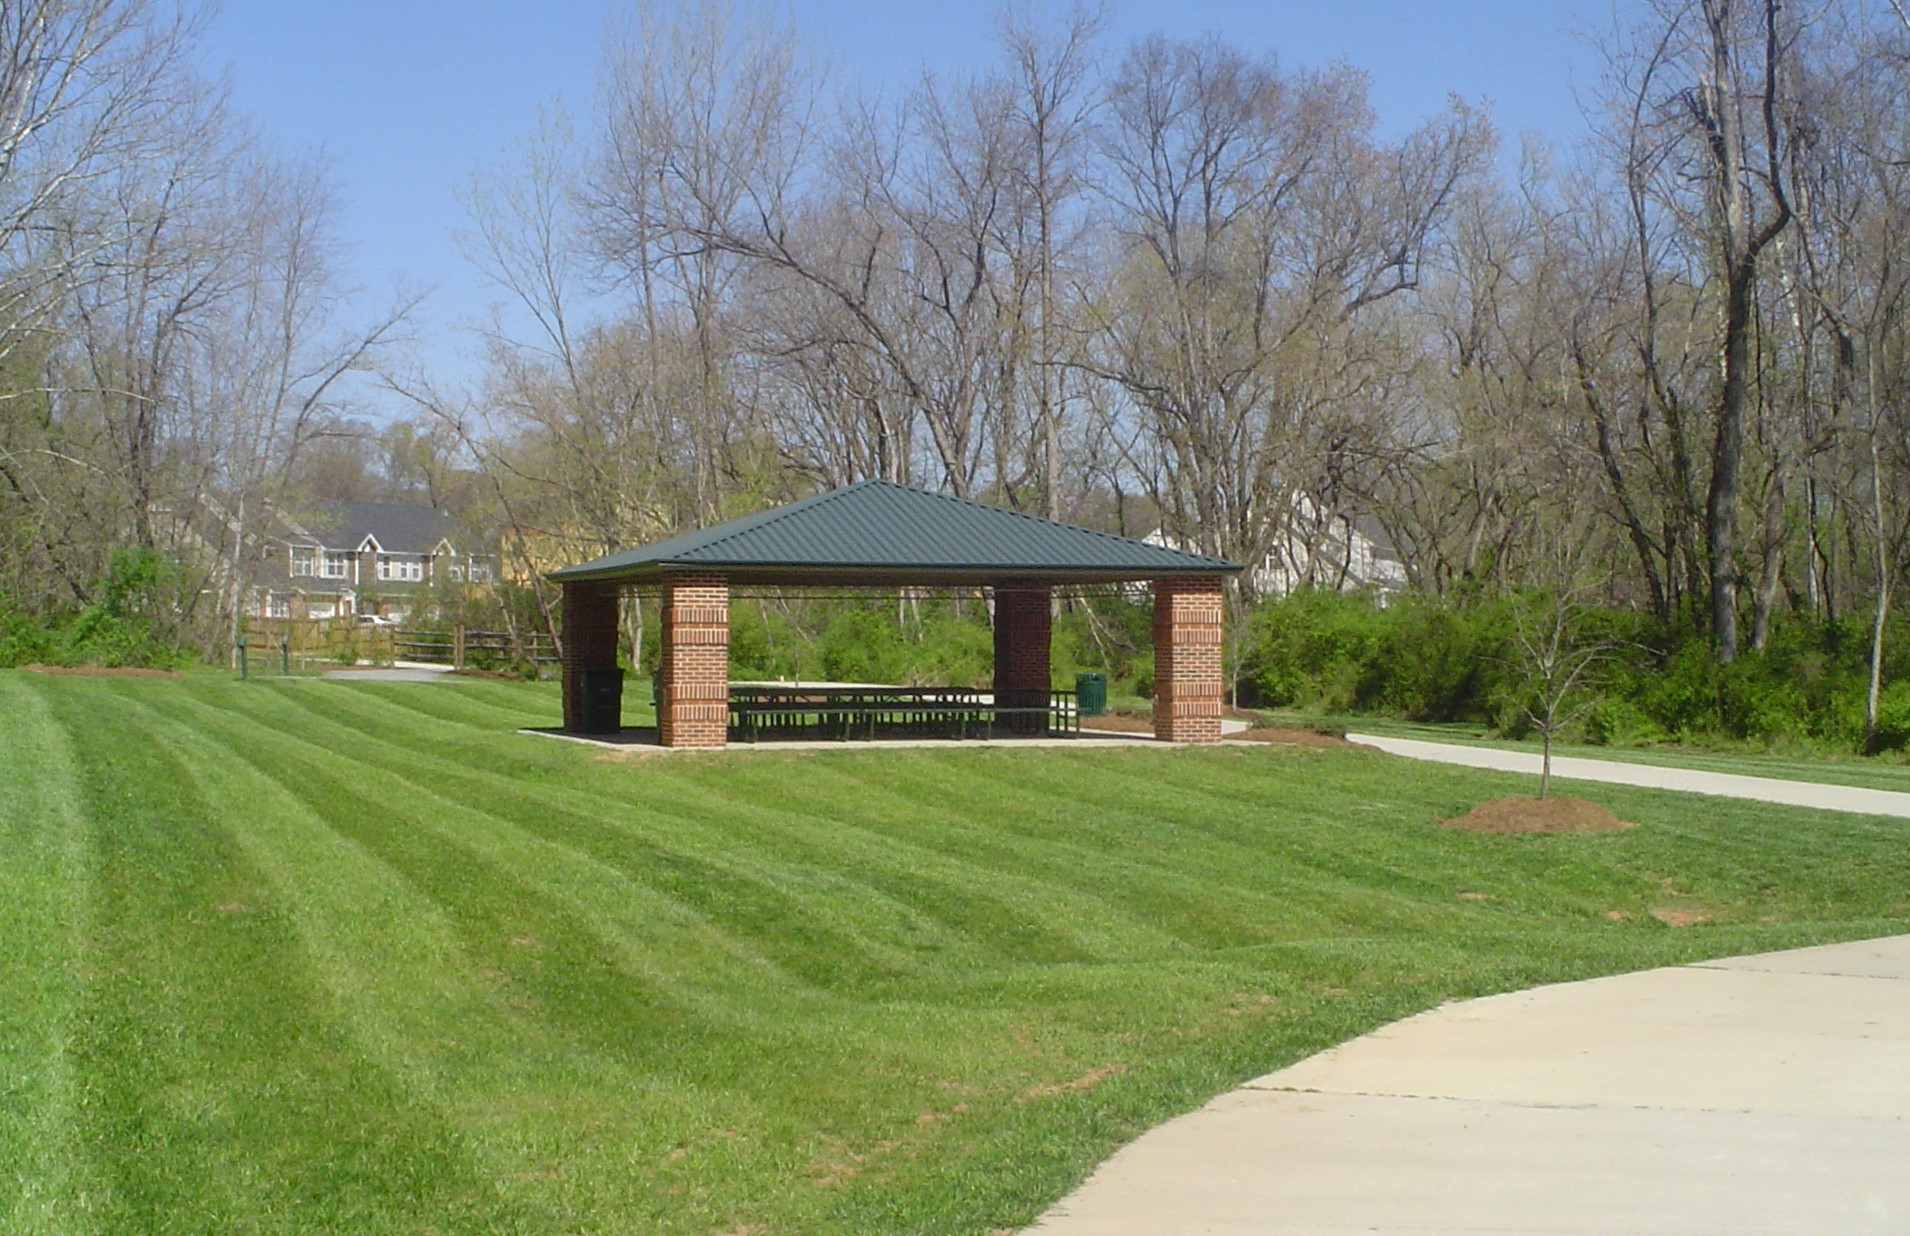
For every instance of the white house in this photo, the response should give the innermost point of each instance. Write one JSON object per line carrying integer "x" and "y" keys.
{"x": 1338, "y": 551}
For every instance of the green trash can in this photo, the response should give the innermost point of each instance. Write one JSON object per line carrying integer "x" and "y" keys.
{"x": 1091, "y": 694}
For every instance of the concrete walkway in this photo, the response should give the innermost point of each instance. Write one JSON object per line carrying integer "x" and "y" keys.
{"x": 1757, "y": 1095}
{"x": 400, "y": 671}
{"x": 1724, "y": 785}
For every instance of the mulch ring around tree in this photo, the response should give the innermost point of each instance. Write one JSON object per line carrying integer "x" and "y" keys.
{"x": 101, "y": 671}
{"x": 1518, "y": 813}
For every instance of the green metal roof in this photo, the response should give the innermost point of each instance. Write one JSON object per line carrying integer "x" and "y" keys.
{"x": 877, "y": 532}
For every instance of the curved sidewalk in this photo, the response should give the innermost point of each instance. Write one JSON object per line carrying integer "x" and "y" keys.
{"x": 1765, "y": 1094}
{"x": 1653, "y": 776}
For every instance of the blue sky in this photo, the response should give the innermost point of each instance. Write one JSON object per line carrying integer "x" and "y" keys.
{"x": 409, "y": 97}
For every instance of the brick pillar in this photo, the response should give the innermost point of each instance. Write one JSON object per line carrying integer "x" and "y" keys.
{"x": 590, "y": 643}
{"x": 1188, "y": 686}
{"x": 1023, "y": 618}
{"x": 694, "y": 678}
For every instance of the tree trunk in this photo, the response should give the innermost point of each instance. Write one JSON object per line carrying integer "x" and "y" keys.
{"x": 1727, "y": 452}
{"x": 1873, "y": 697}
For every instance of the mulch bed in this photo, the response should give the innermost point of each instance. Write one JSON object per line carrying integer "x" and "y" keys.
{"x": 1288, "y": 735}
{"x": 1521, "y": 814}
{"x": 1114, "y": 723}
{"x": 1291, "y": 736}
{"x": 101, "y": 671}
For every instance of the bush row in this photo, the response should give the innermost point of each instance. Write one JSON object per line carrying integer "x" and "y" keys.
{"x": 1423, "y": 660}
{"x": 118, "y": 629}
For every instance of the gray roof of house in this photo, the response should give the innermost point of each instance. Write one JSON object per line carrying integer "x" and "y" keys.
{"x": 398, "y": 527}
{"x": 877, "y": 532}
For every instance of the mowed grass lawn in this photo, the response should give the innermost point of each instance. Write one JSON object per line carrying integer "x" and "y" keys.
{"x": 312, "y": 956}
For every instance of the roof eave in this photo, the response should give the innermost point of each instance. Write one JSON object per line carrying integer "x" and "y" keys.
{"x": 887, "y": 574}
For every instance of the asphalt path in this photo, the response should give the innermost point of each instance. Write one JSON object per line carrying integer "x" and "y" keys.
{"x": 1653, "y": 776}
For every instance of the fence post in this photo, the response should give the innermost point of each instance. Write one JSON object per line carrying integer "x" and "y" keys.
{"x": 285, "y": 653}
{"x": 457, "y": 646}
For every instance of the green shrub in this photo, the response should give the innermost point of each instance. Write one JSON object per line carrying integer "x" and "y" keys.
{"x": 1312, "y": 649}
{"x": 1893, "y": 719}
{"x": 1443, "y": 662}
{"x": 126, "y": 624}
{"x": 1343, "y": 652}
{"x": 1618, "y": 722}
{"x": 23, "y": 640}
{"x": 1684, "y": 696}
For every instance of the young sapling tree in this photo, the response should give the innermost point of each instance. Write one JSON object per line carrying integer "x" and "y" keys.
{"x": 1555, "y": 654}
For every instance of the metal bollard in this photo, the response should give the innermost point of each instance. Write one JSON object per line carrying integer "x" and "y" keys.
{"x": 242, "y": 668}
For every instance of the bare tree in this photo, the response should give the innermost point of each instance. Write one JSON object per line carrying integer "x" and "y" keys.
{"x": 1052, "y": 109}
{"x": 1259, "y": 231}
{"x": 86, "y": 88}
{"x": 1706, "y": 117}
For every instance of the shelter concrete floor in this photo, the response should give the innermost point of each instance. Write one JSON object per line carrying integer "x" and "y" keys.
{"x": 645, "y": 736}
{"x": 640, "y": 737}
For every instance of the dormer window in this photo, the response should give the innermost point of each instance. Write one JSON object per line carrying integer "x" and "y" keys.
{"x": 304, "y": 560}
{"x": 337, "y": 564}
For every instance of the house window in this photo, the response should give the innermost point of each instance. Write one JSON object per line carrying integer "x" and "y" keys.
{"x": 456, "y": 572}
{"x": 337, "y": 564}
{"x": 304, "y": 560}
{"x": 278, "y": 605}
{"x": 327, "y": 608}
{"x": 400, "y": 567}
{"x": 479, "y": 572}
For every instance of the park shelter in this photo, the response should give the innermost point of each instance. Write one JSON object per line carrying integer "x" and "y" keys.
{"x": 877, "y": 534}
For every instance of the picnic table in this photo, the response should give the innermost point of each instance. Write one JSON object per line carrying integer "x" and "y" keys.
{"x": 864, "y": 711}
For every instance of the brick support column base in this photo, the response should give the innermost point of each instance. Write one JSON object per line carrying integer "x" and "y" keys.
{"x": 590, "y": 657}
{"x": 693, "y": 681}
{"x": 1188, "y": 686}
{"x": 1023, "y": 622}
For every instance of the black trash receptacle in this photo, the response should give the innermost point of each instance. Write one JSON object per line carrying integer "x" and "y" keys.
{"x": 1091, "y": 693}
{"x": 602, "y": 690}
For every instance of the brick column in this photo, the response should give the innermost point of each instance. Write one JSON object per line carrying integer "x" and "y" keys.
{"x": 590, "y": 644}
{"x": 693, "y": 680}
{"x": 1188, "y": 686}
{"x": 1023, "y": 618}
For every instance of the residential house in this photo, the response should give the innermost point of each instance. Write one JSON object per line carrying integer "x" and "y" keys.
{"x": 1337, "y": 551}
{"x": 383, "y": 559}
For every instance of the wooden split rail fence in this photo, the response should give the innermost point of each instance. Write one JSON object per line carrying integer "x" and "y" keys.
{"x": 347, "y": 641}
{"x": 462, "y": 647}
